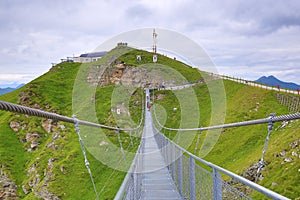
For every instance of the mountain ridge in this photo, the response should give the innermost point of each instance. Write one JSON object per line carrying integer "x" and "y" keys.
{"x": 5, "y": 90}
{"x": 273, "y": 81}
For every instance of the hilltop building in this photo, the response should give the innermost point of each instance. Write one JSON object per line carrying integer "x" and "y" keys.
{"x": 89, "y": 57}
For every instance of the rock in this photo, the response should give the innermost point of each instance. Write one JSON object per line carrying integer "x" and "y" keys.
{"x": 24, "y": 126}
{"x": 62, "y": 127}
{"x": 8, "y": 189}
{"x": 32, "y": 136}
{"x": 46, "y": 124}
{"x": 294, "y": 144}
{"x": 34, "y": 144}
{"x": 56, "y": 136}
{"x": 121, "y": 66}
{"x": 251, "y": 172}
{"x": 288, "y": 160}
{"x": 14, "y": 126}
{"x": 282, "y": 153}
{"x": 50, "y": 163}
{"x": 294, "y": 154}
{"x": 62, "y": 169}
{"x": 50, "y": 145}
{"x": 24, "y": 98}
{"x": 5, "y": 183}
{"x": 274, "y": 184}
{"x": 103, "y": 143}
{"x": 45, "y": 194}
{"x": 24, "y": 189}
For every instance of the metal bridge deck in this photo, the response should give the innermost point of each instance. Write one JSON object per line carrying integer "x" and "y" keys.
{"x": 157, "y": 182}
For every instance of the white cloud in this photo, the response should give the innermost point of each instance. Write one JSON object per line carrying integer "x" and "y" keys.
{"x": 6, "y": 79}
{"x": 242, "y": 37}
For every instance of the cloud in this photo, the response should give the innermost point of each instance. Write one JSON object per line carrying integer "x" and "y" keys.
{"x": 241, "y": 35}
{"x": 15, "y": 78}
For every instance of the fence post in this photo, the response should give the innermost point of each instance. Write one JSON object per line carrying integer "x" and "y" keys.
{"x": 135, "y": 185}
{"x": 217, "y": 185}
{"x": 180, "y": 172}
{"x": 192, "y": 179}
{"x": 173, "y": 161}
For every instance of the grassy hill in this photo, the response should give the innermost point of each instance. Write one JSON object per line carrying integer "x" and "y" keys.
{"x": 55, "y": 167}
{"x": 43, "y": 157}
{"x": 239, "y": 148}
{"x": 57, "y": 164}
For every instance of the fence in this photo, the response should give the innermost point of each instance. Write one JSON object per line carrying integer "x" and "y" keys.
{"x": 196, "y": 182}
{"x": 255, "y": 84}
{"x": 133, "y": 178}
{"x": 291, "y": 102}
{"x": 131, "y": 187}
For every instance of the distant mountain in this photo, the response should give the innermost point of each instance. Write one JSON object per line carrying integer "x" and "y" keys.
{"x": 273, "y": 81}
{"x": 9, "y": 89}
{"x": 11, "y": 85}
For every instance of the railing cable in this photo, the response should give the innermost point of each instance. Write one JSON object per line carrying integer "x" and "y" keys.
{"x": 261, "y": 162}
{"x": 40, "y": 113}
{"x": 274, "y": 119}
{"x": 87, "y": 164}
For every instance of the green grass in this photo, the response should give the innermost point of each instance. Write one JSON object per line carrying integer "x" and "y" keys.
{"x": 57, "y": 91}
{"x": 189, "y": 73}
{"x": 238, "y": 148}
{"x": 12, "y": 154}
{"x": 53, "y": 92}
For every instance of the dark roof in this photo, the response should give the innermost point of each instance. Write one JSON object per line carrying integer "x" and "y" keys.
{"x": 93, "y": 54}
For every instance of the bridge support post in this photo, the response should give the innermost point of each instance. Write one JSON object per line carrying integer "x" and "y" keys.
{"x": 180, "y": 174}
{"x": 217, "y": 185}
{"x": 192, "y": 179}
{"x": 173, "y": 161}
{"x": 135, "y": 186}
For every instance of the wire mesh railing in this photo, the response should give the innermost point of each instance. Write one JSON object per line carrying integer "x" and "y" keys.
{"x": 133, "y": 191}
{"x": 196, "y": 178}
{"x": 131, "y": 187}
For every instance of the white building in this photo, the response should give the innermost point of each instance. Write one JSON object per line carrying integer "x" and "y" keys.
{"x": 89, "y": 57}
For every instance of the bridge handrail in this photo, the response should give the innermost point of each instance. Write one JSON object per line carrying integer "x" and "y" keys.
{"x": 286, "y": 117}
{"x": 243, "y": 180}
{"x": 7, "y": 106}
{"x": 123, "y": 188}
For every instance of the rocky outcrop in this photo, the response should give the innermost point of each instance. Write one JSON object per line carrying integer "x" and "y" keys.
{"x": 8, "y": 189}
{"x": 39, "y": 185}
{"x": 32, "y": 139}
{"x": 120, "y": 74}
{"x": 251, "y": 172}
{"x": 290, "y": 154}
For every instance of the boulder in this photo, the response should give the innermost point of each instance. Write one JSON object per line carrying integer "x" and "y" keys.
{"x": 14, "y": 126}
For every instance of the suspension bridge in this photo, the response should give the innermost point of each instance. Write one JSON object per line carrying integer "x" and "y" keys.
{"x": 162, "y": 169}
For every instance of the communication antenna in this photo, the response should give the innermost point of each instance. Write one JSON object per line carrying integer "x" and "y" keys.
{"x": 154, "y": 41}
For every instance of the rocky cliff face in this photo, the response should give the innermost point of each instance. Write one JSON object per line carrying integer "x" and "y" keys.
{"x": 131, "y": 76}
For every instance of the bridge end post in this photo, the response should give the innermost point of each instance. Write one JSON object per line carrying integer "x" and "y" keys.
{"x": 192, "y": 179}
{"x": 180, "y": 172}
{"x": 217, "y": 185}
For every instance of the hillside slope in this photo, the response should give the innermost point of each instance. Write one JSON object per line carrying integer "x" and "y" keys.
{"x": 240, "y": 148}
{"x": 41, "y": 159}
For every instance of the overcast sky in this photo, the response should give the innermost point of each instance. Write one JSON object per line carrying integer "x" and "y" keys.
{"x": 245, "y": 39}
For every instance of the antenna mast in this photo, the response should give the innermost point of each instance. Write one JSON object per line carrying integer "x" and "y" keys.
{"x": 154, "y": 41}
